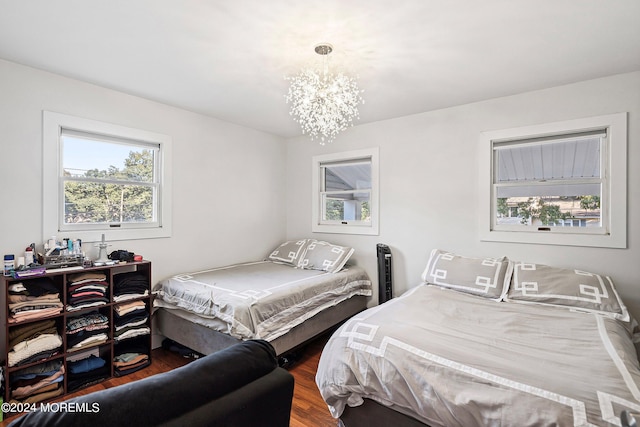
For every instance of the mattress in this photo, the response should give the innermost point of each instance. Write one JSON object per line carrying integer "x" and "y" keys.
{"x": 451, "y": 359}
{"x": 260, "y": 299}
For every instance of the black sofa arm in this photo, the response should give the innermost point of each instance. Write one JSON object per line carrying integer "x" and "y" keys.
{"x": 265, "y": 402}
{"x": 240, "y": 381}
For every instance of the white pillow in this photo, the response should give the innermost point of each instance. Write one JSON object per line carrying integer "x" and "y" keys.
{"x": 319, "y": 255}
{"x": 486, "y": 277}
{"x": 567, "y": 288}
{"x": 288, "y": 252}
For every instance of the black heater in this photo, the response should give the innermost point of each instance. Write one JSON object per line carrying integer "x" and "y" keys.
{"x": 385, "y": 282}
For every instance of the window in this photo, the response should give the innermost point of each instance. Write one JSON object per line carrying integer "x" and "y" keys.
{"x": 549, "y": 182}
{"x": 102, "y": 178}
{"x": 345, "y": 192}
{"x": 561, "y": 183}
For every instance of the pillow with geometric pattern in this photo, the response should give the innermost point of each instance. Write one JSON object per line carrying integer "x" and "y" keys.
{"x": 288, "y": 252}
{"x": 567, "y": 288}
{"x": 485, "y": 277}
{"x": 319, "y": 255}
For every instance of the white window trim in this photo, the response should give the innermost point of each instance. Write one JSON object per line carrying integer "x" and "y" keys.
{"x": 53, "y": 123}
{"x": 316, "y": 217}
{"x": 616, "y": 167}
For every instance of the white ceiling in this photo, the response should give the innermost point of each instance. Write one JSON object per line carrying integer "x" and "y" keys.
{"x": 228, "y": 58}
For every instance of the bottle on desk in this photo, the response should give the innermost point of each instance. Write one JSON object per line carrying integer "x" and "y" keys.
{"x": 9, "y": 264}
{"x": 28, "y": 256}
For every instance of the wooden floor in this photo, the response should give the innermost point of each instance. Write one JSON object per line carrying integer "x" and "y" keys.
{"x": 308, "y": 408}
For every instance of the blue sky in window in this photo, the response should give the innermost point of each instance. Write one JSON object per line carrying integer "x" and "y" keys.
{"x": 85, "y": 154}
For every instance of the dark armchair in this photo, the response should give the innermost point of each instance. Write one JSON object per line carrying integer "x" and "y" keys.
{"x": 241, "y": 385}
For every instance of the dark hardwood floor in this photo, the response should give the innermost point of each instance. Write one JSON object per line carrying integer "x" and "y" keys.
{"x": 308, "y": 408}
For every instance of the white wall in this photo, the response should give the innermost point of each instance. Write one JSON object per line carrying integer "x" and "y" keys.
{"x": 428, "y": 182}
{"x": 238, "y": 192}
{"x": 228, "y": 181}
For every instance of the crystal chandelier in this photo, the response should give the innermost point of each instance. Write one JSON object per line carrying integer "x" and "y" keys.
{"x": 324, "y": 103}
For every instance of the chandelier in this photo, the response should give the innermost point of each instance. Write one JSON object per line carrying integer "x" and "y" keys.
{"x": 324, "y": 104}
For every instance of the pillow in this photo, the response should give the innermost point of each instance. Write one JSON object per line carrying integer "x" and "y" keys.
{"x": 288, "y": 252}
{"x": 488, "y": 277}
{"x": 541, "y": 284}
{"x": 324, "y": 256}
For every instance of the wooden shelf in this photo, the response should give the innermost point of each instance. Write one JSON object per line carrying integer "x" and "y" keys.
{"x": 105, "y": 350}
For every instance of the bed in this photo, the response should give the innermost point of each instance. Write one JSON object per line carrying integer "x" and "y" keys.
{"x": 486, "y": 342}
{"x": 303, "y": 288}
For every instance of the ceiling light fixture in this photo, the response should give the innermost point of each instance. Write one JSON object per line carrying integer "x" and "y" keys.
{"x": 324, "y": 104}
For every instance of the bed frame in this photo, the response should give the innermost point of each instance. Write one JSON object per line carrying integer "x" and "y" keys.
{"x": 206, "y": 341}
{"x": 371, "y": 413}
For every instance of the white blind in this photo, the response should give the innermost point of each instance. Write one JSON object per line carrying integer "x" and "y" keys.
{"x": 560, "y": 158}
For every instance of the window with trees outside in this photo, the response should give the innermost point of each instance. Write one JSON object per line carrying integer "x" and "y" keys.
{"x": 108, "y": 179}
{"x": 565, "y": 180}
{"x": 345, "y": 192}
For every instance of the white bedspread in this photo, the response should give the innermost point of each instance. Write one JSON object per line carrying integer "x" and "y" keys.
{"x": 258, "y": 300}
{"x": 451, "y": 359}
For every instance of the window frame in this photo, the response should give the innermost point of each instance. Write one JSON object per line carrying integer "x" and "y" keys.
{"x": 53, "y": 182}
{"x": 602, "y": 181}
{"x": 345, "y": 227}
{"x": 612, "y": 234}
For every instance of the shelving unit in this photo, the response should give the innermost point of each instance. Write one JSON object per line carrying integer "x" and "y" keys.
{"x": 115, "y": 342}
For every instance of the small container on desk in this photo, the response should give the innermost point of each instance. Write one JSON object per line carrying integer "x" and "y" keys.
{"x": 9, "y": 264}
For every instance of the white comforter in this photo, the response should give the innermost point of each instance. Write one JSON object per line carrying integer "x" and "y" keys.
{"x": 451, "y": 359}
{"x": 260, "y": 299}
